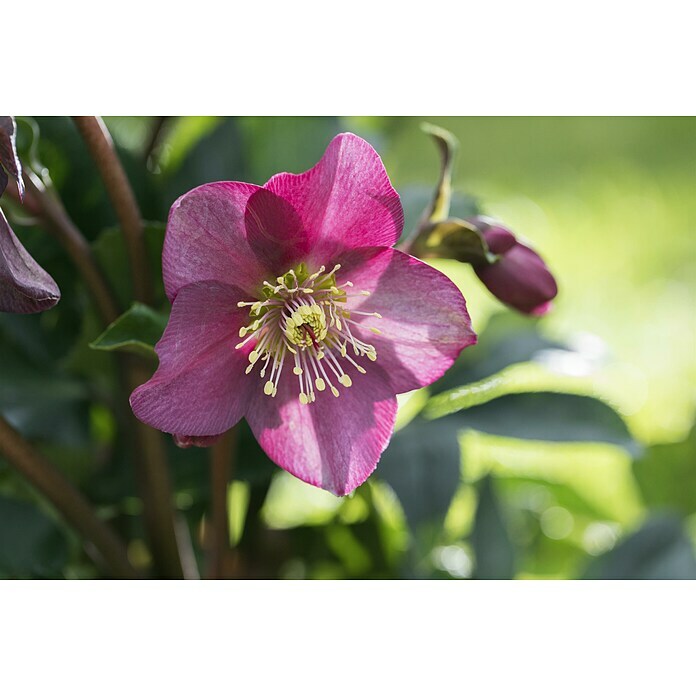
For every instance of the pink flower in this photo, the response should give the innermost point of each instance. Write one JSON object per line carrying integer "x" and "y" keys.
{"x": 519, "y": 278}
{"x": 289, "y": 308}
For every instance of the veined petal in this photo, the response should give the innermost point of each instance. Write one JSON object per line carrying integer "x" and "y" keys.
{"x": 199, "y": 387}
{"x": 206, "y": 239}
{"x": 275, "y": 232}
{"x": 346, "y": 200}
{"x": 423, "y": 323}
{"x": 333, "y": 443}
{"x": 25, "y": 288}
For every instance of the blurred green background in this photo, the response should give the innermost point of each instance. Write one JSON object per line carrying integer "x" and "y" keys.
{"x": 579, "y": 460}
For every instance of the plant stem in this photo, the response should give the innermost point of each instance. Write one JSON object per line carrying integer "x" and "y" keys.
{"x": 101, "y": 147}
{"x": 149, "y": 458}
{"x": 221, "y": 472}
{"x": 51, "y": 211}
{"x": 73, "y": 507}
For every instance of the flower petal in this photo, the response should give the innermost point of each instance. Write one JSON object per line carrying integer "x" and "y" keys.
{"x": 424, "y": 322}
{"x": 207, "y": 240}
{"x": 199, "y": 387}
{"x": 25, "y": 287}
{"x": 346, "y": 200}
{"x": 275, "y": 232}
{"x": 333, "y": 443}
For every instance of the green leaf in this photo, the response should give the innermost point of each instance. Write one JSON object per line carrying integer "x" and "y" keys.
{"x": 136, "y": 331}
{"x": 422, "y": 466}
{"x": 112, "y": 256}
{"x": 31, "y": 543}
{"x": 551, "y": 417}
{"x": 495, "y": 553}
{"x": 659, "y": 550}
{"x": 447, "y": 144}
{"x": 516, "y": 379}
{"x": 452, "y": 239}
{"x": 666, "y": 475}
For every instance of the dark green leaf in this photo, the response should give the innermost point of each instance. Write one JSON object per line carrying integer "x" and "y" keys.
{"x": 422, "y": 465}
{"x": 659, "y": 550}
{"x": 666, "y": 475}
{"x": 551, "y": 417}
{"x": 495, "y": 553}
{"x": 507, "y": 339}
{"x": 111, "y": 254}
{"x": 136, "y": 331}
{"x": 31, "y": 543}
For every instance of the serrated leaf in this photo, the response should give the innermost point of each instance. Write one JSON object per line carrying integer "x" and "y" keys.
{"x": 135, "y": 331}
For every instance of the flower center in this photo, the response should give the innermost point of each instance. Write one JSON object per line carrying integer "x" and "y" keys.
{"x": 303, "y": 321}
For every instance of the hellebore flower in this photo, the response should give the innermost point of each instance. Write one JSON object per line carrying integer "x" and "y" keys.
{"x": 25, "y": 288}
{"x": 519, "y": 277}
{"x": 290, "y": 308}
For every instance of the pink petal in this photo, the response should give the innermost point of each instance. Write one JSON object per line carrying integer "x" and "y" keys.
{"x": 346, "y": 200}
{"x": 333, "y": 443}
{"x": 199, "y": 388}
{"x": 207, "y": 239}
{"x": 275, "y": 232}
{"x": 424, "y": 322}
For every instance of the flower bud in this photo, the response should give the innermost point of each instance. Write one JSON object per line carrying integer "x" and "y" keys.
{"x": 519, "y": 277}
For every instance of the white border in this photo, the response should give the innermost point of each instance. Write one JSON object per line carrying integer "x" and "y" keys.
{"x": 347, "y": 638}
{"x": 359, "y": 57}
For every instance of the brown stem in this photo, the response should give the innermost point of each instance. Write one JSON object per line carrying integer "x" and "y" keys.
{"x": 73, "y": 507}
{"x": 149, "y": 456}
{"x": 40, "y": 202}
{"x": 221, "y": 472}
{"x": 101, "y": 147}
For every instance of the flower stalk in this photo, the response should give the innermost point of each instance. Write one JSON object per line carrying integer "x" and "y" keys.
{"x": 101, "y": 147}
{"x": 102, "y": 542}
{"x": 149, "y": 455}
{"x": 222, "y": 461}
